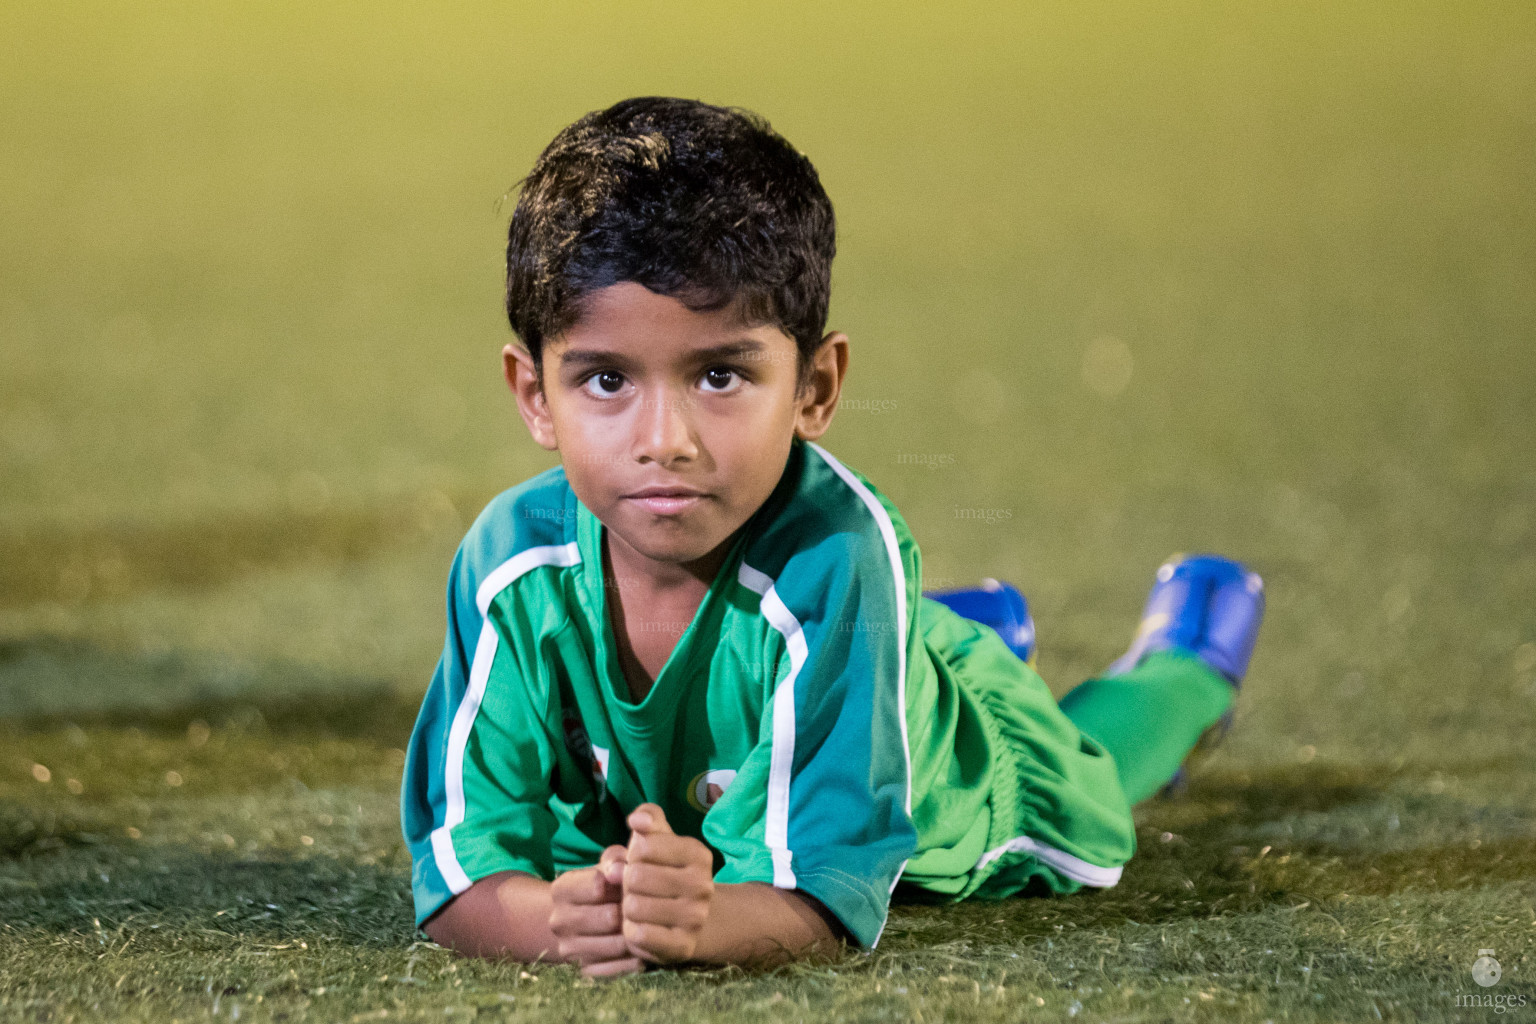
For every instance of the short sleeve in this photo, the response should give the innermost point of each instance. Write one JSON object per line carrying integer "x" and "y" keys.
{"x": 822, "y": 803}
{"x": 475, "y": 794}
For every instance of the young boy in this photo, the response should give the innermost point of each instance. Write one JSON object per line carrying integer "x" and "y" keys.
{"x": 693, "y": 705}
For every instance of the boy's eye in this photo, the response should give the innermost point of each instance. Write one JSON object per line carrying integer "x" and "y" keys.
{"x": 604, "y": 383}
{"x": 721, "y": 379}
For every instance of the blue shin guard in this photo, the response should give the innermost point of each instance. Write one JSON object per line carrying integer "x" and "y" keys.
{"x": 1211, "y": 607}
{"x": 1205, "y": 604}
{"x": 999, "y": 605}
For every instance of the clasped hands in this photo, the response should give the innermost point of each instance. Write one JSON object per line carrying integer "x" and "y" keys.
{"x": 643, "y": 903}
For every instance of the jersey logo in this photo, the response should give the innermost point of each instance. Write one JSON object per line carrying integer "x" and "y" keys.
{"x": 707, "y": 787}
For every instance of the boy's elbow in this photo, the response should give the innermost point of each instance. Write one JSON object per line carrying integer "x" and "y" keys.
{"x": 445, "y": 928}
{"x": 439, "y": 928}
{"x": 505, "y": 915}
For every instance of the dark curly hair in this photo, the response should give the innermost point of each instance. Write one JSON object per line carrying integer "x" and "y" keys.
{"x": 706, "y": 204}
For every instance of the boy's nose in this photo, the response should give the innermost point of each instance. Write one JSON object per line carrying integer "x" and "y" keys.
{"x": 664, "y": 432}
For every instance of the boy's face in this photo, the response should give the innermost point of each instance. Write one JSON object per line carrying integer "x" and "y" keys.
{"x": 674, "y": 425}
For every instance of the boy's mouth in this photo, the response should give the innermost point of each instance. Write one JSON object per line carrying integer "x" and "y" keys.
{"x": 667, "y": 501}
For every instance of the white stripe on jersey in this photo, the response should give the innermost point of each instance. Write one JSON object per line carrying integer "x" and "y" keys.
{"x": 899, "y": 579}
{"x": 499, "y": 579}
{"x": 1074, "y": 868}
{"x": 502, "y": 576}
{"x": 781, "y": 764}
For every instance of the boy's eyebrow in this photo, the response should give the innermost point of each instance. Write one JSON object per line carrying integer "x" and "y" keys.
{"x": 730, "y": 350}
{"x": 582, "y": 357}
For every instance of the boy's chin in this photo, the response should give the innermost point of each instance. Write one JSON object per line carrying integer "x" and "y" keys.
{"x": 675, "y": 543}
{"x": 682, "y": 552}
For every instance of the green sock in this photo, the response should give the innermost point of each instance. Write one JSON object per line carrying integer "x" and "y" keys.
{"x": 1150, "y": 717}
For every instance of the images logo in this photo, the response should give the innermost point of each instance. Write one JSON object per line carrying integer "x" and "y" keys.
{"x": 1487, "y": 972}
{"x": 1485, "y": 969}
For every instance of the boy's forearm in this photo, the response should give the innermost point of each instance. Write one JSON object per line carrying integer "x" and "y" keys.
{"x": 750, "y": 923}
{"x": 755, "y": 924}
{"x": 501, "y": 915}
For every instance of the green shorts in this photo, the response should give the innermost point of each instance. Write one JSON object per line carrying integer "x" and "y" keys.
{"x": 1057, "y": 813}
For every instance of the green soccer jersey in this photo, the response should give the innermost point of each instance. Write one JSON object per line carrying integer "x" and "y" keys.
{"x": 815, "y": 725}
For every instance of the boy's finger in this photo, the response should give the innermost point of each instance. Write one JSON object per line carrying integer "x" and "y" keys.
{"x": 585, "y": 885}
{"x": 658, "y": 943}
{"x": 570, "y": 919}
{"x": 591, "y": 949}
{"x": 649, "y": 879}
{"x": 611, "y": 864}
{"x": 614, "y": 968}
{"x": 673, "y": 850}
{"x": 669, "y": 913}
{"x": 649, "y": 818}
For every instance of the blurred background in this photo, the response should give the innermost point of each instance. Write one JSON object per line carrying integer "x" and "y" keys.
{"x": 1237, "y": 276}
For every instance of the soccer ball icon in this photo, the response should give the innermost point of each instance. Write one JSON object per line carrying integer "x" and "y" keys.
{"x": 1485, "y": 969}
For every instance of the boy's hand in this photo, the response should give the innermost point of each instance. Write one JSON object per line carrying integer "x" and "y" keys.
{"x": 668, "y": 885}
{"x": 586, "y": 918}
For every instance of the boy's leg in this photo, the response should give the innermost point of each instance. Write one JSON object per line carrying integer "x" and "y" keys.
{"x": 1054, "y": 807}
{"x": 1178, "y": 679}
{"x": 1151, "y": 717}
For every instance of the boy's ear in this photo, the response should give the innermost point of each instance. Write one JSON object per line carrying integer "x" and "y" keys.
{"x": 523, "y": 378}
{"x": 816, "y": 401}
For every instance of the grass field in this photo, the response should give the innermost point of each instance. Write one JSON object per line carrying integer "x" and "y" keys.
{"x": 1258, "y": 278}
